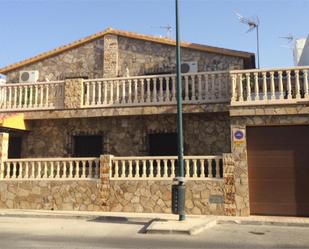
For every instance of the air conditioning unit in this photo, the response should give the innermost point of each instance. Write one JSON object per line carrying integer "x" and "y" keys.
{"x": 189, "y": 67}
{"x": 28, "y": 76}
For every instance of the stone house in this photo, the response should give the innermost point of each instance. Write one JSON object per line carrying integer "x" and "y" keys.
{"x": 97, "y": 129}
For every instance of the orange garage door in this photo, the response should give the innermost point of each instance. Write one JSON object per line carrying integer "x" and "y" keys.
{"x": 278, "y": 164}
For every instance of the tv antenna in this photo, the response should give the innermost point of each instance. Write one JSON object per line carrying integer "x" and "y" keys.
{"x": 290, "y": 39}
{"x": 168, "y": 29}
{"x": 253, "y": 23}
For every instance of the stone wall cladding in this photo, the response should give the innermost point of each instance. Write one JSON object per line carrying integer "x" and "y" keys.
{"x": 51, "y": 195}
{"x": 110, "y": 64}
{"x": 155, "y": 196}
{"x": 144, "y": 57}
{"x": 82, "y": 61}
{"x": 205, "y": 134}
{"x": 124, "y": 196}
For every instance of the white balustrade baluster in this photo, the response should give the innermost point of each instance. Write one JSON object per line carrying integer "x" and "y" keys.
{"x": 51, "y": 169}
{"x": 39, "y": 175}
{"x": 194, "y": 168}
{"x": 97, "y": 169}
{"x": 151, "y": 174}
{"x": 217, "y": 161}
{"x": 22, "y": 165}
{"x": 31, "y": 97}
{"x": 248, "y": 87}
{"x": 240, "y": 90}
{"x": 202, "y": 168}
{"x": 58, "y": 170}
{"x": 35, "y": 96}
{"x": 90, "y": 169}
{"x": 186, "y": 88}
{"x": 233, "y": 90}
{"x": 281, "y": 93}
{"x": 32, "y": 175}
{"x": 20, "y": 104}
{"x": 116, "y": 173}
{"x": 213, "y": 87}
{"x": 161, "y": 96}
{"x": 193, "y": 98}
{"x": 272, "y": 86}
{"x": 289, "y": 86}
{"x": 199, "y": 82}
{"x": 130, "y": 169}
{"x": 111, "y": 85}
{"x": 306, "y": 87}
{"x": 45, "y": 170}
{"x": 123, "y": 99}
{"x": 25, "y": 97}
{"x": 142, "y": 91}
{"x": 47, "y": 96}
{"x": 99, "y": 100}
{"x": 144, "y": 175}
{"x": 168, "y": 93}
{"x": 264, "y": 75}
{"x": 105, "y": 90}
{"x": 155, "y": 94}
{"x": 123, "y": 169}
{"x": 187, "y": 165}
{"x": 117, "y": 101}
{"x": 148, "y": 100}
{"x": 137, "y": 169}
{"x": 209, "y": 161}
{"x": 256, "y": 87}
{"x": 71, "y": 169}
{"x": 165, "y": 172}
{"x": 130, "y": 100}
{"x": 10, "y": 97}
{"x": 8, "y": 170}
{"x": 173, "y": 168}
{"x": 15, "y": 97}
{"x": 173, "y": 88}
{"x": 14, "y": 176}
{"x": 135, "y": 92}
{"x": 93, "y": 92}
{"x": 26, "y": 169}
{"x": 83, "y": 174}
{"x": 297, "y": 85}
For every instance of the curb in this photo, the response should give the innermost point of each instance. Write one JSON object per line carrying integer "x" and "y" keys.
{"x": 263, "y": 223}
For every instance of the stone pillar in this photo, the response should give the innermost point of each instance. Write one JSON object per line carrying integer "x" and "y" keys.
{"x": 4, "y": 148}
{"x": 73, "y": 93}
{"x": 229, "y": 184}
{"x": 105, "y": 168}
{"x": 239, "y": 150}
{"x": 110, "y": 56}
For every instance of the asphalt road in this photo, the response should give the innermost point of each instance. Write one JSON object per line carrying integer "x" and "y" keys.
{"x": 81, "y": 234}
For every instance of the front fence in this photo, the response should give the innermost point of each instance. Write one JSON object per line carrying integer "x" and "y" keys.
{"x": 160, "y": 168}
{"x": 51, "y": 168}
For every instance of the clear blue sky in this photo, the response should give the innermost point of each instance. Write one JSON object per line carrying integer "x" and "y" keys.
{"x": 31, "y": 27}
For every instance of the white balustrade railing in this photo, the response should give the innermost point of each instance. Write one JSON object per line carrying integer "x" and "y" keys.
{"x": 205, "y": 87}
{"x": 273, "y": 86}
{"x": 164, "y": 167}
{"x": 50, "y": 168}
{"x": 36, "y": 96}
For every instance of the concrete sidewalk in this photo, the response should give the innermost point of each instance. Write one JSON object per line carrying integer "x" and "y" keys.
{"x": 158, "y": 223}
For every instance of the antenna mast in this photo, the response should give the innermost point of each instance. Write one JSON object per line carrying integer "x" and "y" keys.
{"x": 168, "y": 29}
{"x": 253, "y": 24}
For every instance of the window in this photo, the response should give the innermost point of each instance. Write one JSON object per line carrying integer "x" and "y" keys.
{"x": 163, "y": 144}
{"x": 87, "y": 146}
{"x": 14, "y": 147}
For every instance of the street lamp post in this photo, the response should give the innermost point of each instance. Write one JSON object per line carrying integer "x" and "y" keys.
{"x": 180, "y": 172}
